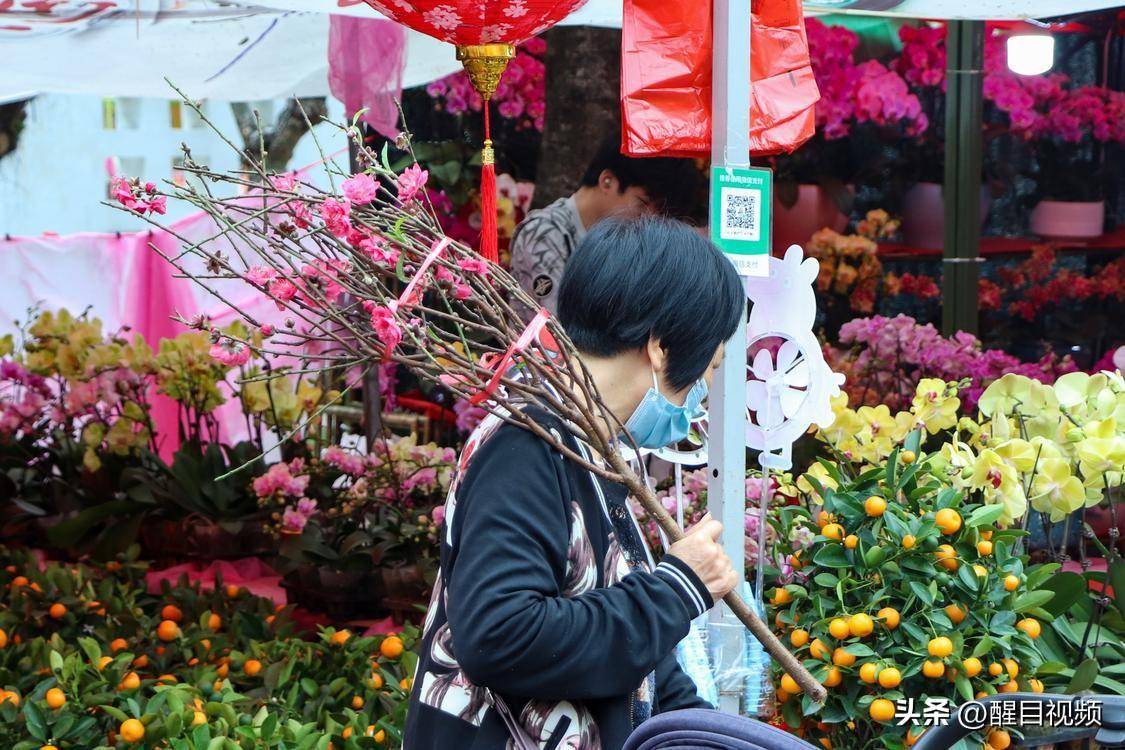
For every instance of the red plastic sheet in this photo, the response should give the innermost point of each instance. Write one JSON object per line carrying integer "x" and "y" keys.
{"x": 666, "y": 78}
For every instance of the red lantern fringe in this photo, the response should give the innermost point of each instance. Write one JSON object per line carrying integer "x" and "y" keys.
{"x": 488, "y": 241}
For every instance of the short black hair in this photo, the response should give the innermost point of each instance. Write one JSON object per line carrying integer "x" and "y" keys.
{"x": 671, "y": 184}
{"x": 630, "y": 280}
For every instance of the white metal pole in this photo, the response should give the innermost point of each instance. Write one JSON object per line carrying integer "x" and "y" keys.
{"x": 730, "y": 147}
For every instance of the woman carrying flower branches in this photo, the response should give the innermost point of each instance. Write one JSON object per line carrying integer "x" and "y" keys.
{"x": 549, "y": 627}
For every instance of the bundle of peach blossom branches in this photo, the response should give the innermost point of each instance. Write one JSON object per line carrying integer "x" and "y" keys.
{"x": 365, "y": 276}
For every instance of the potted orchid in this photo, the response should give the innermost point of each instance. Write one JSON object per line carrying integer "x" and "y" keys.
{"x": 203, "y": 511}
{"x": 1067, "y": 129}
{"x": 809, "y": 184}
{"x": 359, "y": 533}
{"x": 1069, "y": 140}
{"x": 865, "y": 118}
{"x": 75, "y": 426}
{"x": 884, "y": 359}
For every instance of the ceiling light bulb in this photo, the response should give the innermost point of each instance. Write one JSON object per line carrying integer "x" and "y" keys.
{"x": 1030, "y": 54}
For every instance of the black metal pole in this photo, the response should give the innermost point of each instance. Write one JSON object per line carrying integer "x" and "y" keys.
{"x": 960, "y": 269}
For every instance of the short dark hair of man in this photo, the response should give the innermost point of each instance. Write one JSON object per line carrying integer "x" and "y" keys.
{"x": 632, "y": 279}
{"x": 673, "y": 185}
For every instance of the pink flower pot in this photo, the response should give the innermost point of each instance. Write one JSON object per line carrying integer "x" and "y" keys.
{"x": 813, "y": 211}
{"x": 1068, "y": 218}
{"x": 923, "y": 215}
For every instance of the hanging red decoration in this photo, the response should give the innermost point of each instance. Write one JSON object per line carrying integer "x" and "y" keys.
{"x": 666, "y": 78}
{"x": 486, "y": 33}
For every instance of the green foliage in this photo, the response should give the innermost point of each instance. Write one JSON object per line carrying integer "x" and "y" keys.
{"x": 947, "y": 580}
{"x": 234, "y": 674}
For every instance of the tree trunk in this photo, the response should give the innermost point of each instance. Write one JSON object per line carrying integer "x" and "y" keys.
{"x": 11, "y": 123}
{"x": 280, "y": 138}
{"x": 583, "y": 105}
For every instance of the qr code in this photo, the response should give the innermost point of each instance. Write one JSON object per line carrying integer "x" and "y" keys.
{"x": 742, "y": 214}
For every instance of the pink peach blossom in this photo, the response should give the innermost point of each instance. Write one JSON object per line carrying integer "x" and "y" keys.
{"x": 411, "y": 182}
{"x": 360, "y": 188}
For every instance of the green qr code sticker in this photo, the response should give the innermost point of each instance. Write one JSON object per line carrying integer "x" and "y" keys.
{"x": 741, "y": 203}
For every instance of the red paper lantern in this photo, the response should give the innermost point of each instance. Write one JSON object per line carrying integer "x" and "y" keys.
{"x": 469, "y": 22}
{"x": 486, "y": 33}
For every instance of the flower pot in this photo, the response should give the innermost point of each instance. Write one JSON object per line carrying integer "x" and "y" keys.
{"x": 406, "y": 591}
{"x": 923, "y": 215}
{"x": 813, "y": 211}
{"x": 342, "y": 595}
{"x": 1068, "y": 219}
{"x": 201, "y": 538}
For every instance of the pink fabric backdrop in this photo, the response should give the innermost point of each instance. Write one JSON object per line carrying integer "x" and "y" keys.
{"x": 126, "y": 284}
{"x": 366, "y": 57}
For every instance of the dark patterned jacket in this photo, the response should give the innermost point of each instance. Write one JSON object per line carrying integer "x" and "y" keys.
{"x": 545, "y": 603}
{"x": 541, "y": 246}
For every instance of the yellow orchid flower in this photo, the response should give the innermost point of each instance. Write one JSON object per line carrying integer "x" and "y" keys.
{"x": 877, "y": 422}
{"x": 905, "y": 423}
{"x": 935, "y": 405}
{"x": 952, "y": 461}
{"x": 1105, "y": 428}
{"x": 1086, "y": 397}
{"x": 1000, "y": 428}
{"x": 1000, "y": 484}
{"x": 309, "y": 395}
{"x": 1046, "y": 448}
{"x": 846, "y": 425}
{"x": 1056, "y": 490}
{"x": 255, "y": 398}
{"x": 1019, "y": 454}
{"x": 1097, "y": 456}
{"x": 820, "y": 473}
{"x": 1004, "y": 396}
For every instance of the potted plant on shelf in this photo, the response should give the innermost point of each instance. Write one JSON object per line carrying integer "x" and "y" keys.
{"x": 1066, "y": 129}
{"x": 1069, "y": 140}
{"x": 810, "y": 190}
{"x": 359, "y": 534}
{"x": 922, "y": 66}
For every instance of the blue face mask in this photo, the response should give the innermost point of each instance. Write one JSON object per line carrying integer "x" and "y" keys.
{"x": 657, "y": 422}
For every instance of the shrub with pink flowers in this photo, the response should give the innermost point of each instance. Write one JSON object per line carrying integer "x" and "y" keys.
{"x": 348, "y": 511}
{"x": 880, "y": 121}
{"x": 884, "y": 359}
{"x": 1065, "y": 124}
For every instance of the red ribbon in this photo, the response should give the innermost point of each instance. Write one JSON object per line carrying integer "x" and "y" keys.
{"x": 500, "y": 364}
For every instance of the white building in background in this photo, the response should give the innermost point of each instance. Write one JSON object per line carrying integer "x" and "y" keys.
{"x": 57, "y": 177}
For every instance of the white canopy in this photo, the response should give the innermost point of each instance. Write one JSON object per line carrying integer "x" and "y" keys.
{"x": 608, "y": 12}
{"x": 277, "y": 48}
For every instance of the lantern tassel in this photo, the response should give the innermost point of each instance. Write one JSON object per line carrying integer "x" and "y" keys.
{"x": 488, "y": 240}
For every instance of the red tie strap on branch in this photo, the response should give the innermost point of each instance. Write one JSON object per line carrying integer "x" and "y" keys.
{"x": 414, "y": 289}
{"x": 499, "y": 365}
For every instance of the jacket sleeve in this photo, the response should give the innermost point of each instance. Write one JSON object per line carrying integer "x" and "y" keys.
{"x": 512, "y": 629}
{"x": 674, "y": 689}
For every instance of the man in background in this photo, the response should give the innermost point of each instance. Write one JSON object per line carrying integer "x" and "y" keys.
{"x": 613, "y": 184}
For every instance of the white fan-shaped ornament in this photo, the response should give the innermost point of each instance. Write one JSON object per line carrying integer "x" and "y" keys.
{"x": 789, "y": 387}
